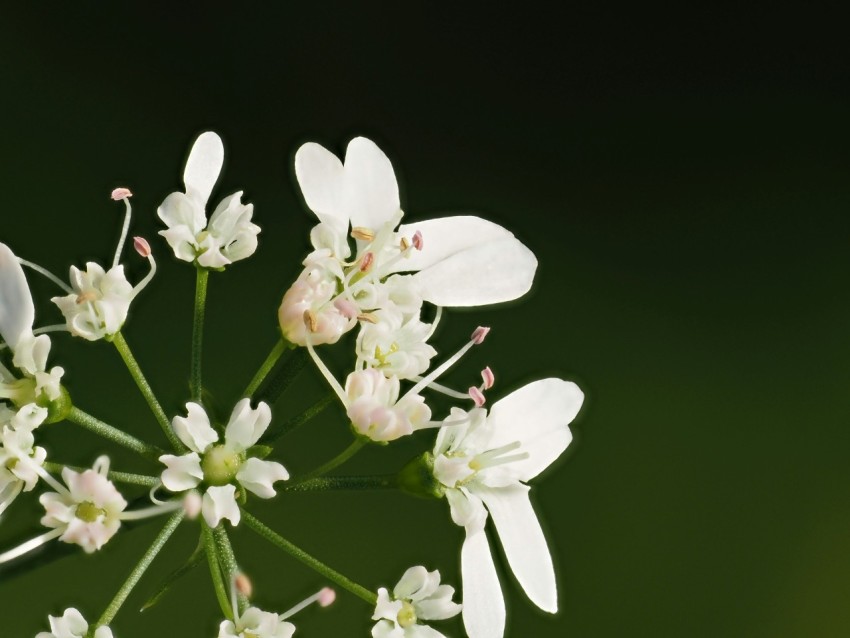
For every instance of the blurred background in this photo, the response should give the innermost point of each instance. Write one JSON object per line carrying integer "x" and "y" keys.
{"x": 684, "y": 187}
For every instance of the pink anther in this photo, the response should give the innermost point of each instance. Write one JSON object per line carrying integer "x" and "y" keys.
{"x": 488, "y": 378}
{"x": 142, "y": 246}
{"x": 326, "y": 597}
{"x": 417, "y": 240}
{"x": 121, "y": 193}
{"x": 366, "y": 262}
{"x": 346, "y": 307}
{"x": 478, "y": 334}
{"x": 477, "y": 396}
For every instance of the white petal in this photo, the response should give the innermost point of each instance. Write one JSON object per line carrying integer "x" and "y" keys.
{"x": 203, "y": 167}
{"x": 483, "y": 602}
{"x": 247, "y": 425}
{"x": 414, "y": 581}
{"x": 536, "y": 415}
{"x": 321, "y": 177}
{"x": 489, "y": 273}
{"x": 219, "y": 503}
{"x": 422, "y": 631}
{"x": 467, "y": 509}
{"x": 103, "y": 632}
{"x": 439, "y": 605}
{"x": 445, "y": 236}
{"x": 184, "y": 217}
{"x": 195, "y": 429}
{"x": 259, "y": 476}
{"x": 182, "y": 472}
{"x": 371, "y": 187}
{"x": 17, "y": 312}
{"x": 524, "y": 543}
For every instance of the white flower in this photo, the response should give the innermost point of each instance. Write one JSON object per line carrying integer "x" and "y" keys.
{"x": 417, "y": 596}
{"x": 395, "y": 346}
{"x": 460, "y": 261}
{"x": 483, "y": 461}
{"x": 72, "y": 625}
{"x": 219, "y": 464}
{"x": 99, "y": 302}
{"x": 88, "y": 512}
{"x": 312, "y": 293}
{"x": 229, "y": 235}
{"x": 255, "y": 623}
{"x": 19, "y": 457}
{"x": 375, "y": 410}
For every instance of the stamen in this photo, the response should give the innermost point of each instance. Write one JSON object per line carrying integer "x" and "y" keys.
{"x": 85, "y": 297}
{"x": 367, "y": 317}
{"x": 325, "y": 596}
{"x": 192, "y": 504}
{"x": 152, "y": 495}
{"x": 310, "y": 320}
{"x": 101, "y": 465}
{"x": 141, "y": 245}
{"x": 435, "y": 323}
{"x": 30, "y": 545}
{"x": 243, "y": 585}
{"x": 346, "y": 307}
{"x": 479, "y": 334}
{"x": 405, "y": 243}
{"x": 418, "y": 242}
{"x": 125, "y": 229}
{"x": 58, "y": 327}
{"x": 477, "y": 396}
{"x": 44, "y": 474}
{"x": 149, "y": 512}
{"x": 337, "y": 388}
{"x": 121, "y": 193}
{"x": 9, "y": 494}
{"x": 46, "y": 273}
{"x": 477, "y": 337}
{"x": 362, "y": 233}
{"x": 492, "y": 458}
{"x": 488, "y": 378}
{"x": 367, "y": 261}
{"x": 437, "y": 387}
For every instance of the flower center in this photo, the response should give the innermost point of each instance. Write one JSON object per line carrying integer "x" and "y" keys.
{"x": 89, "y": 512}
{"x": 220, "y": 465}
{"x": 407, "y": 616}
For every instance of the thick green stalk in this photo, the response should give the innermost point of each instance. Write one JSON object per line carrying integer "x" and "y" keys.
{"x": 329, "y": 483}
{"x": 227, "y": 560}
{"x": 140, "y": 568}
{"x": 278, "y": 430}
{"x": 335, "y": 462}
{"x": 145, "y": 388}
{"x": 265, "y": 368}
{"x": 331, "y": 574}
{"x": 221, "y": 590}
{"x": 283, "y": 374}
{"x": 112, "y": 433}
{"x": 118, "y": 477}
{"x": 195, "y": 383}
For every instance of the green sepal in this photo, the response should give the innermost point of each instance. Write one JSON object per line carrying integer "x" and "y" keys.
{"x": 57, "y": 409}
{"x": 259, "y": 451}
{"x": 417, "y": 478}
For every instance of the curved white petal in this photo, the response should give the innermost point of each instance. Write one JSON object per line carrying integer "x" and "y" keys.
{"x": 195, "y": 429}
{"x": 371, "y": 187}
{"x": 203, "y": 167}
{"x": 320, "y": 175}
{"x": 220, "y": 502}
{"x": 182, "y": 472}
{"x": 536, "y": 415}
{"x": 445, "y": 236}
{"x": 488, "y": 273}
{"x": 259, "y": 476}
{"x": 483, "y": 602}
{"x": 467, "y": 510}
{"x": 247, "y": 424}
{"x": 103, "y": 632}
{"x": 184, "y": 217}
{"x": 524, "y": 543}
{"x": 17, "y": 312}
{"x": 422, "y": 631}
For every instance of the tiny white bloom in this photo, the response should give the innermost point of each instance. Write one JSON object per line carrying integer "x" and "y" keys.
{"x": 255, "y": 623}
{"x": 312, "y": 293}
{"x": 229, "y": 235}
{"x": 20, "y": 458}
{"x": 71, "y": 624}
{"x": 220, "y": 464}
{"x": 375, "y": 410}
{"x": 395, "y": 346}
{"x": 99, "y": 302}
{"x": 483, "y": 462}
{"x": 89, "y": 511}
{"x": 417, "y": 596}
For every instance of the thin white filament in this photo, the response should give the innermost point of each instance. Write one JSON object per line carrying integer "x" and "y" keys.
{"x": 127, "y": 214}
{"x": 46, "y": 273}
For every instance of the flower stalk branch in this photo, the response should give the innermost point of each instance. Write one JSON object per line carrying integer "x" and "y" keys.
{"x": 195, "y": 380}
{"x": 107, "y": 431}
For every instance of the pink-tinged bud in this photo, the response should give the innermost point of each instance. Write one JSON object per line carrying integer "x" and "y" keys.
{"x": 477, "y": 396}
{"x": 366, "y": 262}
{"x": 326, "y": 597}
{"x": 488, "y": 378}
{"x": 478, "y": 335}
{"x": 142, "y": 246}
{"x": 192, "y": 504}
{"x": 346, "y": 307}
{"x": 121, "y": 193}
{"x": 417, "y": 240}
{"x": 243, "y": 585}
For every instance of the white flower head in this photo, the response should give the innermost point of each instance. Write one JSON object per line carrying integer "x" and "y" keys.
{"x": 88, "y": 512}
{"x": 417, "y": 596}
{"x": 99, "y": 301}
{"x": 229, "y": 235}
{"x": 222, "y": 465}
{"x": 483, "y": 460}
{"x": 71, "y": 624}
{"x": 395, "y": 346}
{"x": 375, "y": 410}
{"x": 20, "y": 458}
{"x": 255, "y": 623}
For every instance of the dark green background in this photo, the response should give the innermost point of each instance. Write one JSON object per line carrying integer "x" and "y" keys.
{"x": 684, "y": 187}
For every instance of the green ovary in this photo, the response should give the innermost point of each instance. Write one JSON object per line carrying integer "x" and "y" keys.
{"x": 220, "y": 465}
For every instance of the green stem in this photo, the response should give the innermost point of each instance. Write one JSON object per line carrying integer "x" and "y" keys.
{"x": 282, "y": 375}
{"x": 227, "y": 559}
{"x": 221, "y": 592}
{"x": 118, "y": 477}
{"x": 266, "y": 367}
{"x": 112, "y": 433}
{"x": 278, "y": 430}
{"x": 325, "y": 484}
{"x": 331, "y": 574}
{"x": 145, "y": 388}
{"x": 335, "y": 462}
{"x": 195, "y": 384}
{"x": 140, "y": 569}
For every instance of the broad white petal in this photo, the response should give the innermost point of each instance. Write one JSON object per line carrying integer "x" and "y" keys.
{"x": 195, "y": 429}
{"x": 17, "y": 312}
{"x": 247, "y": 424}
{"x": 103, "y": 632}
{"x": 524, "y": 543}
{"x": 220, "y": 502}
{"x": 422, "y": 631}
{"x": 467, "y": 509}
{"x": 203, "y": 167}
{"x": 183, "y": 216}
{"x": 260, "y": 476}
{"x": 439, "y": 605}
{"x": 371, "y": 187}
{"x": 536, "y": 415}
{"x": 445, "y": 236}
{"x": 494, "y": 272}
{"x": 414, "y": 581}
{"x": 182, "y": 472}
{"x": 321, "y": 177}
{"x": 483, "y": 602}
